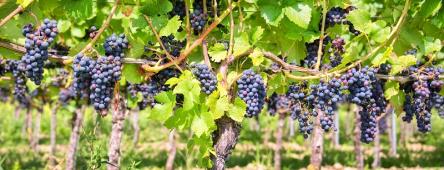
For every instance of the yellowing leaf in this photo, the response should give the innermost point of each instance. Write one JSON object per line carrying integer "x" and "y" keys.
{"x": 24, "y": 3}
{"x": 217, "y": 52}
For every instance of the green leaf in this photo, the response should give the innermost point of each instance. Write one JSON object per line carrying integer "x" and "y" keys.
{"x": 156, "y": 7}
{"x": 222, "y": 105}
{"x": 31, "y": 85}
{"x": 401, "y": 63}
{"x": 217, "y": 52}
{"x": 190, "y": 88}
{"x": 429, "y": 8}
{"x": 382, "y": 58}
{"x": 272, "y": 14}
{"x": 257, "y": 57}
{"x": 63, "y": 25}
{"x": 432, "y": 45}
{"x": 171, "y": 27}
{"x": 198, "y": 126}
{"x": 241, "y": 44}
{"x": 299, "y": 14}
{"x": 398, "y": 102}
{"x": 361, "y": 20}
{"x": 257, "y": 34}
{"x": 132, "y": 73}
{"x": 391, "y": 89}
{"x": 79, "y": 10}
{"x": 137, "y": 49}
{"x": 237, "y": 110}
{"x": 78, "y": 32}
{"x": 164, "y": 110}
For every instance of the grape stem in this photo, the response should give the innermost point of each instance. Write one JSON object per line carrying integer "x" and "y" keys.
{"x": 321, "y": 37}
{"x": 12, "y": 14}
{"x": 168, "y": 55}
{"x": 104, "y": 26}
{"x": 205, "y": 54}
{"x": 188, "y": 25}
{"x": 229, "y": 58}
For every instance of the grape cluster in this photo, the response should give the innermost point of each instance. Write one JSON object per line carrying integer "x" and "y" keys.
{"x": 312, "y": 51}
{"x": 278, "y": 104}
{"x": 178, "y": 9}
{"x": 336, "y": 51}
{"x": 172, "y": 46}
{"x": 251, "y": 89}
{"x": 82, "y": 66}
{"x": 384, "y": 69}
{"x": 324, "y": 97}
{"x": 147, "y": 90}
{"x": 65, "y": 95}
{"x": 337, "y": 15}
{"x": 20, "y": 89}
{"x": 164, "y": 75}
{"x": 366, "y": 91}
{"x": 106, "y": 72}
{"x": 36, "y": 44}
{"x": 298, "y": 110}
{"x": 198, "y": 19}
{"x": 422, "y": 94}
{"x": 206, "y": 77}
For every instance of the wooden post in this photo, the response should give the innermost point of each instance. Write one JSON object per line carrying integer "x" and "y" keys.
{"x": 317, "y": 143}
{"x": 335, "y": 135}
{"x": 291, "y": 124}
{"x": 392, "y": 133}
{"x": 74, "y": 139}
{"x": 172, "y": 150}
{"x": 278, "y": 146}
{"x": 36, "y": 131}
{"x": 357, "y": 140}
{"x": 116, "y": 135}
{"x": 135, "y": 122}
{"x": 53, "y": 135}
{"x": 377, "y": 148}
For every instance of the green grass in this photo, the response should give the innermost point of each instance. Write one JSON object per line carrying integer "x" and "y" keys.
{"x": 151, "y": 153}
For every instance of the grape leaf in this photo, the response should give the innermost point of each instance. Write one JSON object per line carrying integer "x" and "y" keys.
{"x": 164, "y": 110}
{"x": 402, "y": 62}
{"x": 63, "y": 25}
{"x": 217, "y": 52}
{"x": 360, "y": 19}
{"x": 24, "y": 3}
{"x": 190, "y": 88}
{"x": 300, "y": 14}
{"x": 257, "y": 57}
{"x": 241, "y": 44}
{"x": 132, "y": 74}
{"x": 272, "y": 14}
{"x": 237, "y": 110}
{"x": 391, "y": 89}
{"x": 257, "y": 34}
{"x": 382, "y": 58}
{"x": 156, "y": 7}
{"x": 171, "y": 27}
